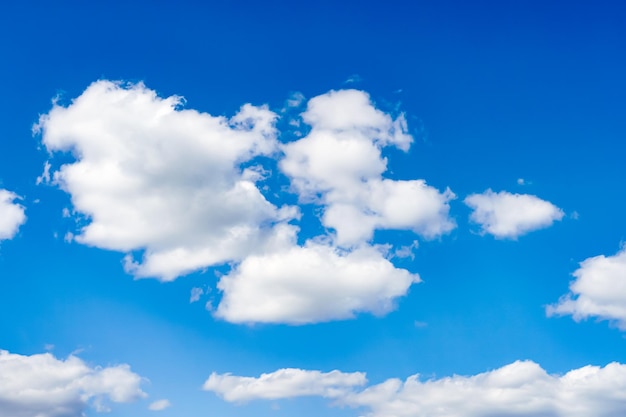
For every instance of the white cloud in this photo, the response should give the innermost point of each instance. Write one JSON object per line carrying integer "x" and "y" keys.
{"x": 159, "y": 405}
{"x": 44, "y": 386}
{"x": 339, "y": 165}
{"x": 311, "y": 283}
{"x": 521, "y": 389}
{"x": 150, "y": 176}
{"x": 506, "y": 215}
{"x": 284, "y": 383}
{"x": 11, "y": 214}
{"x": 196, "y": 293}
{"x": 598, "y": 290}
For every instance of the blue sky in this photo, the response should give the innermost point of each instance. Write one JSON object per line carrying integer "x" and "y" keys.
{"x": 408, "y": 208}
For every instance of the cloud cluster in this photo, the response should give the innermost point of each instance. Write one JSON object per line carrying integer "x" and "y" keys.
{"x": 181, "y": 186}
{"x": 507, "y": 216}
{"x": 520, "y": 389}
{"x": 11, "y": 214}
{"x": 44, "y": 386}
{"x": 598, "y": 290}
{"x": 339, "y": 165}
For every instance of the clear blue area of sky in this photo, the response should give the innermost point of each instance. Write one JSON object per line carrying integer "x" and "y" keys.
{"x": 493, "y": 91}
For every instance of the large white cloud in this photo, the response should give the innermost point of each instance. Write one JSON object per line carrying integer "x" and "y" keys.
{"x": 44, "y": 386}
{"x": 311, "y": 283}
{"x": 521, "y": 389}
{"x": 284, "y": 383}
{"x": 506, "y": 215}
{"x": 150, "y": 176}
{"x": 339, "y": 165}
{"x": 11, "y": 214}
{"x": 598, "y": 290}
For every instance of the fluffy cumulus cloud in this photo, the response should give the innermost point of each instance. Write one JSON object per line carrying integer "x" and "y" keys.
{"x": 11, "y": 214}
{"x": 598, "y": 290}
{"x": 339, "y": 165}
{"x": 284, "y": 383}
{"x": 311, "y": 283}
{"x": 521, "y": 389}
{"x": 44, "y": 386}
{"x": 507, "y": 216}
{"x": 182, "y": 188}
{"x": 151, "y": 176}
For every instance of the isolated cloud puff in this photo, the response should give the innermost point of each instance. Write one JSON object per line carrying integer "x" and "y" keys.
{"x": 339, "y": 165}
{"x": 521, "y": 389}
{"x": 11, "y": 214}
{"x": 507, "y": 216}
{"x": 598, "y": 290}
{"x": 43, "y": 386}
{"x": 284, "y": 383}
{"x": 151, "y": 176}
{"x": 159, "y": 405}
{"x": 311, "y": 283}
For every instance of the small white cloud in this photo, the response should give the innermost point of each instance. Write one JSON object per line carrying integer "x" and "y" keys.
{"x": 196, "y": 293}
{"x": 506, "y": 215}
{"x": 407, "y": 251}
{"x": 296, "y": 99}
{"x": 520, "y": 181}
{"x": 284, "y": 383}
{"x": 598, "y": 290}
{"x": 69, "y": 237}
{"x": 11, "y": 214}
{"x": 520, "y": 389}
{"x": 159, "y": 405}
{"x": 45, "y": 176}
{"x": 44, "y": 386}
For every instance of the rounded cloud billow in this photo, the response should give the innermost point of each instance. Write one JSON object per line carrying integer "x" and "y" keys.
{"x": 11, "y": 214}
{"x": 181, "y": 188}
{"x": 44, "y": 386}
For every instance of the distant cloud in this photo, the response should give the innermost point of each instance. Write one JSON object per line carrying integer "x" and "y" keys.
{"x": 159, "y": 405}
{"x": 196, "y": 293}
{"x": 284, "y": 383}
{"x": 44, "y": 386}
{"x": 508, "y": 216}
{"x": 353, "y": 79}
{"x": 11, "y": 214}
{"x": 598, "y": 290}
{"x": 521, "y": 389}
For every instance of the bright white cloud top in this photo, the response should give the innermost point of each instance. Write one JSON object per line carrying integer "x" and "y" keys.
{"x": 508, "y": 216}
{"x": 598, "y": 290}
{"x": 44, "y": 386}
{"x": 11, "y": 215}
{"x": 521, "y": 389}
